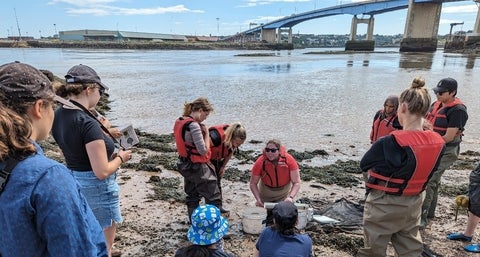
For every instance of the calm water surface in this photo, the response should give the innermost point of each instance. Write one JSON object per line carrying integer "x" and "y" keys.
{"x": 308, "y": 101}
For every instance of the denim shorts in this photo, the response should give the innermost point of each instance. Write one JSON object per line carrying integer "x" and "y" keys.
{"x": 102, "y": 196}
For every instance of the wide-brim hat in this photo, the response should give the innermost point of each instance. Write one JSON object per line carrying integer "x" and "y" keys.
{"x": 84, "y": 74}
{"x": 208, "y": 225}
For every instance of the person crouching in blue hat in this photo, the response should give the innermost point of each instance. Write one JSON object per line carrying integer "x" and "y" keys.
{"x": 206, "y": 234}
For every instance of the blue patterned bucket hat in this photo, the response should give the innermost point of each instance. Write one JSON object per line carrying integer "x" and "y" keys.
{"x": 208, "y": 225}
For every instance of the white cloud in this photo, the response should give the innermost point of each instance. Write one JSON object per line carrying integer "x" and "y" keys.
{"x": 82, "y": 2}
{"x": 447, "y": 21}
{"x": 252, "y": 3}
{"x": 461, "y": 9}
{"x": 105, "y": 10}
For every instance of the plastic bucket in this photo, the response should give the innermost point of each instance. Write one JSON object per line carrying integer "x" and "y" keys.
{"x": 302, "y": 218}
{"x": 253, "y": 218}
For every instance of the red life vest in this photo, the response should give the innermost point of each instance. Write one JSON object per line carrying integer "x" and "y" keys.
{"x": 437, "y": 116}
{"x": 219, "y": 151}
{"x": 184, "y": 149}
{"x": 424, "y": 148}
{"x": 382, "y": 127}
{"x": 276, "y": 175}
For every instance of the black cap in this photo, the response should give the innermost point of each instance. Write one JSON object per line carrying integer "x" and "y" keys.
{"x": 285, "y": 213}
{"x": 446, "y": 84}
{"x": 24, "y": 83}
{"x": 83, "y": 74}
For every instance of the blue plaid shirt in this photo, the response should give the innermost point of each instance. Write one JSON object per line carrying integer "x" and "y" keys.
{"x": 43, "y": 213}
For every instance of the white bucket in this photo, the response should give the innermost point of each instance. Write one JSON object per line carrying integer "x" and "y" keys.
{"x": 252, "y": 220}
{"x": 302, "y": 215}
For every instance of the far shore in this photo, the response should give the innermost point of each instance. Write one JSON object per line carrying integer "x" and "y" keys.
{"x": 146, "y": 45}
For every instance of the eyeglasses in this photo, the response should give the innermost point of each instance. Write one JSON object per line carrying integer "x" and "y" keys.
{"x": 273, "y": 150}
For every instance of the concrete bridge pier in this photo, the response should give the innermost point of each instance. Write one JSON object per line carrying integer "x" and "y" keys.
{"x": 268, "y": 35}
{"x": 361, "y": 45}
{"x": 421, "y": 27}
{"x": 472, "y": 41}
{"x": 284, "y": 30}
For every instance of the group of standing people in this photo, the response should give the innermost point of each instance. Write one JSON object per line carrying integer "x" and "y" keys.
{"x": 405, "y": 165}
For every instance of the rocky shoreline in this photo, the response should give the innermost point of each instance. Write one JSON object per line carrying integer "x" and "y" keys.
{"x": 148, "y": 45}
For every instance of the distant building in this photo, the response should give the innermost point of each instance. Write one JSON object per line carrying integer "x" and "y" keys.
{"x": 113, "y": 35}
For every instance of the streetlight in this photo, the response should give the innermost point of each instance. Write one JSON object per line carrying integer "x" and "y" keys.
{"x": 218, "y": 27}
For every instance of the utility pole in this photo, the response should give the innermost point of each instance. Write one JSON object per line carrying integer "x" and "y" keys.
{"x": 18, "y": 26}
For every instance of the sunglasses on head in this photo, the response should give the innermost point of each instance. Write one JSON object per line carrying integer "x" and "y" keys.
{"x": 273, "y": 150}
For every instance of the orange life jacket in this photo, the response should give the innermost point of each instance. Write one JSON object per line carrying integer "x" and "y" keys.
{"x": 425, "y": 149}
{"x": 382, "y": 127}
{"x": 437, "y": 116}
{"x": 184, "y": 149}
{"x": 275, "y": 175}
{"x": 219, "y": 149}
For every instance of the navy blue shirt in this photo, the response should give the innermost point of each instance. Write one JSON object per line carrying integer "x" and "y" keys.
{"x": 43, "y": 213}
{"x": 273, "y": 244}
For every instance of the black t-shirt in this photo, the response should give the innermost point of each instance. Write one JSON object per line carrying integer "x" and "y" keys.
{"x": 72, "y": 129}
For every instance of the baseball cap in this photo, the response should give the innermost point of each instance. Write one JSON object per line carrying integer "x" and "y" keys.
{"x": 446, "y": 84}
{"x": 22, "y": 82}
{"x": 208, "y": 225}
{"x": 83, "y": 74}
{"x": 285, "y": 213}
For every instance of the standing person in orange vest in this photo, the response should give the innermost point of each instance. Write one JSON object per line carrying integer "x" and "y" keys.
{"x": 447, "y": 116}
{"x": 225, "y": 140}
{"x": 386, "y": 119}
{"x": 399, "y": 166}
{"x": 275, "y": 177}
{"x": 193, "y": 147}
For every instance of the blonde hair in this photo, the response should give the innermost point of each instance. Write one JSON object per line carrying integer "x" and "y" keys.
{"x": 68, "y": 89}
{"x": 417, "y": 97}
{"x": 235, "y": 130}
{"x": 200, "y": 103}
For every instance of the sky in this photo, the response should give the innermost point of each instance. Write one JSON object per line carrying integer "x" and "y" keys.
{"x": 43, "y": 18}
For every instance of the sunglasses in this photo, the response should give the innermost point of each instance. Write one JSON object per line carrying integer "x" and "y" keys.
{"x": 441, "y": 93}
{"x": 101, "y": 90}
{"x": 273, "y": 150}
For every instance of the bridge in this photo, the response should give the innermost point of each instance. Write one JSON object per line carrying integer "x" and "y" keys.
{"x": 421, "y": 27}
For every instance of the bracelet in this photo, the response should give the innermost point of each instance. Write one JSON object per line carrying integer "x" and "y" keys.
{"x": 121, "y": 159}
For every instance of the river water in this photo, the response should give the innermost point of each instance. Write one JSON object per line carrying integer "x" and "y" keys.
{"x": 308, "y": 101}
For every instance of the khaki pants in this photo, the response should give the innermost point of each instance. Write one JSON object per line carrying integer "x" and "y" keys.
{"x": 390, "y": 218}
{"x": 430, "y": 203}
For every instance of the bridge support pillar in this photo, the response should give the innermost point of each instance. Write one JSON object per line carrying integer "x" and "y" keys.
{"x": 421, "y": 27}
{"x": 361, "y": 45}
{"x": 472, "y": 41}
{"x": 282, "y": 30}
{"x": 268, "y": 35}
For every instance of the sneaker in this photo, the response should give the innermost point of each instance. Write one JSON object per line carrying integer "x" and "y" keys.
{"x": 459, "y": 237}
{"x": 473, "y": 248}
